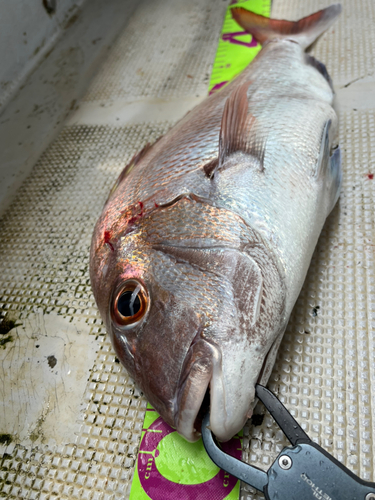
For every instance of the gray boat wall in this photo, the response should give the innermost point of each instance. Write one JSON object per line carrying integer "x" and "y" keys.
{"x": 49, "y": 52}
{"x": 84, "y": 89}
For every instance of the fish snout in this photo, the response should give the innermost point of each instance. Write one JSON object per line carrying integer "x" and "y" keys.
{"x": 232, "y": 389}
{"x": 229, "y": 413}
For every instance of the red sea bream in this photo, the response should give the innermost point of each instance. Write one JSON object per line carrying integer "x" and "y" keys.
{"x": 205, "y": 240}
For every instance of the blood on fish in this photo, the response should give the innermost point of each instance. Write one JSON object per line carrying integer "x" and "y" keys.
{"x": 107, "y": 240}
{"x": 137, "y": 216}
{"x": 370, "y": 176}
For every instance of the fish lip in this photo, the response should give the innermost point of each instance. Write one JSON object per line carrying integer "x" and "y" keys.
{"x": 192, "y": 387}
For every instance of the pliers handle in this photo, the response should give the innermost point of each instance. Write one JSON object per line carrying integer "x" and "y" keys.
{"x": 302, "y": 472}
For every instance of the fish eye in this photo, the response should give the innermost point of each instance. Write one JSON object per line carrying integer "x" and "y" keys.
{"x": 130, "y": 303}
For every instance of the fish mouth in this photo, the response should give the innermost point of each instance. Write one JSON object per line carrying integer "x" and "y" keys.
{"x": 192, "y": 401}
{"x": 202, "y": 387}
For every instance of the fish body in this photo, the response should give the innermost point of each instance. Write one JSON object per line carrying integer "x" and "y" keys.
{"x": 204, "y": 243}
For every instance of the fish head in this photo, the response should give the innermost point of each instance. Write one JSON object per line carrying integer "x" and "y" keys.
{"x": 192, "y": 302}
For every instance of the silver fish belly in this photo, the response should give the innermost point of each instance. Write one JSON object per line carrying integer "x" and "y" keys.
{"x": 204, "y": 243}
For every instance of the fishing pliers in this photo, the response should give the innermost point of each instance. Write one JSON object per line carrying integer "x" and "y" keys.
{"x": 302, "y": 471}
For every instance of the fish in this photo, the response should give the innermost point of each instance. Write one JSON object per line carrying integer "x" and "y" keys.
{"x": 205, "y": 240}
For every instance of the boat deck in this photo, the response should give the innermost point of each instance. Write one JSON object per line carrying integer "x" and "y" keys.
{"x": 70, "y": 416}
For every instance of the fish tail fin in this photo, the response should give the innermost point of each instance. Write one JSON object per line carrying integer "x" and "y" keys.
{"x": 304, "y": 32}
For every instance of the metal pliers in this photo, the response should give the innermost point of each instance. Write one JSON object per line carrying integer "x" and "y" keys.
{"x": 302, "y": 471}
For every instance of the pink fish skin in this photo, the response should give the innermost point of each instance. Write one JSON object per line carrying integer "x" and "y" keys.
{"x": 205, "y": 240}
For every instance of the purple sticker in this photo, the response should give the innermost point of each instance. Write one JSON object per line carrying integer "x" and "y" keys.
{"x": 158, "y": 487}
{"x": 231, "y": 38}
{"x": 217, "y": 87}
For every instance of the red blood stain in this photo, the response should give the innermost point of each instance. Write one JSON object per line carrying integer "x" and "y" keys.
{"x": 107, "y": 239}
{"x": 370, "y": 176}
{"x": 156, "y": 205}
{"x": 137, "y": 216}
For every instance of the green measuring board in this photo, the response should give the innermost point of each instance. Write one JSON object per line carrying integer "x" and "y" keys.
{"x": 168, "y": 467}
{"x": 236, "y": 48}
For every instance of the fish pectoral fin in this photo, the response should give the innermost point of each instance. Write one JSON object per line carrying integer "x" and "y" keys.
{"x": 336, "y": 176}
{"x": 238, "y": 130}
{"x": 324, "y": 154}
{"x": 305, "y": 31}
{"x": 329, "y": 167}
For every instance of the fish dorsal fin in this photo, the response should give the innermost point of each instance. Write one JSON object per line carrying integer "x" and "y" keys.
{"x": 237, "y": 131}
